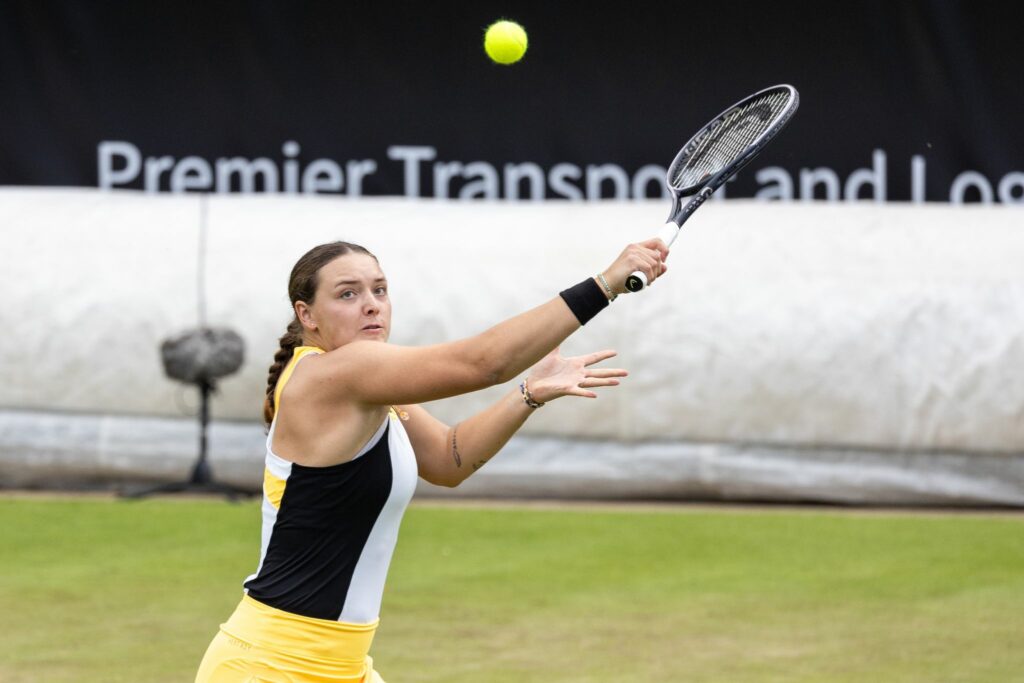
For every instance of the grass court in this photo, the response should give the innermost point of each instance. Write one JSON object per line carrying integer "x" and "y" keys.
{"x": 104, "y": 590}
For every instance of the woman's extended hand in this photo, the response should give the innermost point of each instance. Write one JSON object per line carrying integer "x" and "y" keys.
{"x": 555, "y": 376}
{"x": 648, "y": 257}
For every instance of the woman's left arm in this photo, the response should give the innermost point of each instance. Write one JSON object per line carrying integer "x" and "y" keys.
{"x": 447, "y": 455}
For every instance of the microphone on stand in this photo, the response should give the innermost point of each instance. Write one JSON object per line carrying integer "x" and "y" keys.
{"x": 200, "y": 357}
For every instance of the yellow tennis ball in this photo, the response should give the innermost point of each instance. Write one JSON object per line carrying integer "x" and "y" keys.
{"x": 505, "y": 42}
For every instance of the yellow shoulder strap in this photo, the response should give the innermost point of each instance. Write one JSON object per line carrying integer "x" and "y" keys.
{"x": 297, "y": 354}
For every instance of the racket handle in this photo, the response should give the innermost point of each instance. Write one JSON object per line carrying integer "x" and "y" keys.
{"x": 668, "y": 233}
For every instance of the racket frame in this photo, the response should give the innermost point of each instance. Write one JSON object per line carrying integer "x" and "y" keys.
{"x": 702, "y": 191}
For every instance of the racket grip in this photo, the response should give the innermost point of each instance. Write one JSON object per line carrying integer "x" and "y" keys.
{"x": 668, "y": 233}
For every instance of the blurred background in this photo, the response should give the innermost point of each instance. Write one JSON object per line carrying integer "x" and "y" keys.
{"x": 842, "y": 323}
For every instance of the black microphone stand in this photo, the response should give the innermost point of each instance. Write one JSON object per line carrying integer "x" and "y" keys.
{"x": 201, "y": 480}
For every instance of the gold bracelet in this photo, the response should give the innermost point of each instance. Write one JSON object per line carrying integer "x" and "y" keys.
{"x": 612, "y": 296}
{"x": 527, "y": 397}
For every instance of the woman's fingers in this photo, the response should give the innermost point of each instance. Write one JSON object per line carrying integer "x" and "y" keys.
{"x": 576, "y": 378}
{"x": 646, "y": 263}
{"x": 655, "y": 244}
{"x": 597, "y": 356}
{"x": 606, "y": 372}
{"x": 654, "y": 254}
{"x": 592, "y": 382}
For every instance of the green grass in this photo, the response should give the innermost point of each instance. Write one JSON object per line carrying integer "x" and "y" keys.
{"x": 108, "y": 591}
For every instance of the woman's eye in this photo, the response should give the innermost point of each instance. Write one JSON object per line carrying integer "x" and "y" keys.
{"x": 347, "y": 294}
{"x": 381, "y": 291}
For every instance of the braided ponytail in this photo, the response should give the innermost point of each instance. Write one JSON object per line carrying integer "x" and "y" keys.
{"x": 289, "y": 341}
{"x": 302, "y": 286}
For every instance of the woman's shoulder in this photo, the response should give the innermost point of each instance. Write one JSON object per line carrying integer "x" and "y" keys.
{"x": 314, "y": 373}
{"x": 291, "y": 369}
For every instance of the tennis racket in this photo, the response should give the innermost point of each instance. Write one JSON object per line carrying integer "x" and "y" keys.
{"x": 717, "y": 152}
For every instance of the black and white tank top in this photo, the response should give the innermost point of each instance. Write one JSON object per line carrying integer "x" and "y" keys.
{"x": 329, "y": 532}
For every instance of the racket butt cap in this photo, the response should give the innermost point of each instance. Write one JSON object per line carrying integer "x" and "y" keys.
{"x": 636, "y": 281}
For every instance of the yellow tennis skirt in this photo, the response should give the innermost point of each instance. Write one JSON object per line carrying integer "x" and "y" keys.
{"x": 260, "y": 644}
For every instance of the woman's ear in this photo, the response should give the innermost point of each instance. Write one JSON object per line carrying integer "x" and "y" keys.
{"x": 305, "y": 315}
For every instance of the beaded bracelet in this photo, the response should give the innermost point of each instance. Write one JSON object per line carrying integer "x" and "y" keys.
{"x": 527, "y": 397}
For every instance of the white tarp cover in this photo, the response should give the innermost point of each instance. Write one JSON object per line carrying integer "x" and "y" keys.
{"x": 807, "y": 333}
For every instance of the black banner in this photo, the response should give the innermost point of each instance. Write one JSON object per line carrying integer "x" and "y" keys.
{"x": 904, "y": 101}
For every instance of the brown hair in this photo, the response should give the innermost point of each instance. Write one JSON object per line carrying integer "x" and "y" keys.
{"x": 302, "y": 286}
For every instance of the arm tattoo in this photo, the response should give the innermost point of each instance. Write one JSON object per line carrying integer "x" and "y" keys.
{"x": 455, "y": 448}
{"x": 457, "y": 457}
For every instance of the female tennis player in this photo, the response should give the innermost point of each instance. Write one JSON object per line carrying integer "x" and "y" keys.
{"x": 347, "y": 441}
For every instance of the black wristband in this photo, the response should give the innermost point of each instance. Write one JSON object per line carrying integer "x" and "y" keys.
{"x": 585, "y": 300}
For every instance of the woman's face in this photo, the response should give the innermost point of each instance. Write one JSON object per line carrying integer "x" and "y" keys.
{"x": 351, "y": 303}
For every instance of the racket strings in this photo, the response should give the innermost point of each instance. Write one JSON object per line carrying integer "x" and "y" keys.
{"x": 729, "y": 137}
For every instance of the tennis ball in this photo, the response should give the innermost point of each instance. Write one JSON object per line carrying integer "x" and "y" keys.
{"x": 505, "y": 42}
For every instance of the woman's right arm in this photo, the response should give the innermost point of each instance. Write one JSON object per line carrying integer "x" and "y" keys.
{"x": 380, "y": 374}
